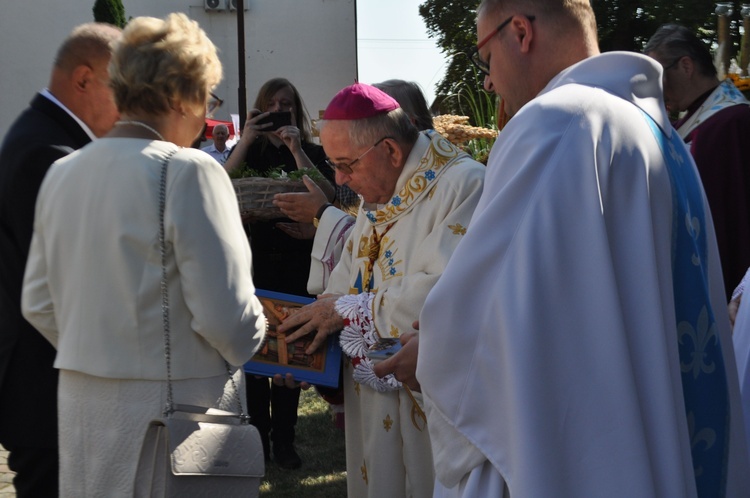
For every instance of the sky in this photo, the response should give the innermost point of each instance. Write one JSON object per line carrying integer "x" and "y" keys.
{"x": 392, "y": 42}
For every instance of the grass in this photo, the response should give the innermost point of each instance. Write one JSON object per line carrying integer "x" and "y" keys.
{"x": 321, "y": 446}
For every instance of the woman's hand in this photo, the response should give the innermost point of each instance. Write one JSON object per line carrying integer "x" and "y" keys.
{"x": 291, "y": 137}
{"x": 252, "y": 129}
{"x": 250, "y": 132}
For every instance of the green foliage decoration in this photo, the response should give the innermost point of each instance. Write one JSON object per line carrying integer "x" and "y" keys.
{"x": 277, "y": 173}
{"x": 110, "y": 11}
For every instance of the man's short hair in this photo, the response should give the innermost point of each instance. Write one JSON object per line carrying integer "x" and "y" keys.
{"x": 87, "y": 44}
{"x": 578, "y": 13}
{"x": 672, "y": 42}
{"x": 395, "y": 124}
{"x": 221, "y": 127}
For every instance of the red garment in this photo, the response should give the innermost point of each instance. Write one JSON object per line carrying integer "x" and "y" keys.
{"x": 721, "y": 149}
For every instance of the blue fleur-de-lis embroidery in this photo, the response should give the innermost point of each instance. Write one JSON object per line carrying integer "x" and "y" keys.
{"x": 674, "y": 153}
{"x": 693, "y": 225}
{"x": 705, "y": 438}
{"x": 701, "y": 336}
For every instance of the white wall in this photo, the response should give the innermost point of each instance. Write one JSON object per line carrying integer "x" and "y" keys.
{"x": 310, "y": 42}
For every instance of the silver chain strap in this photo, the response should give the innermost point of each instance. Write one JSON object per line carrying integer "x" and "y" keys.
{"x": 169, "y": 407}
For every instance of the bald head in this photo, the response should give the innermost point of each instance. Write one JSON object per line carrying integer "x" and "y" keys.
{"x": 79, "y": 75}
{"x": 220, "y": 135}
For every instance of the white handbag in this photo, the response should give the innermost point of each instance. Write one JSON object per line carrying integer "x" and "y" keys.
{"x": 196, "y": 451}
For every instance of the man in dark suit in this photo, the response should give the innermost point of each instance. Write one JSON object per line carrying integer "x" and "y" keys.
{"x": 77, "y": 107}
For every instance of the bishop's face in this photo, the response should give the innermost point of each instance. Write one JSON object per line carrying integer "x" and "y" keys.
{"x": 371, "y": 170}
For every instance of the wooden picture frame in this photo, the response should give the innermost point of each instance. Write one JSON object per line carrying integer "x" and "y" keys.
{"x": 320, "y": 368}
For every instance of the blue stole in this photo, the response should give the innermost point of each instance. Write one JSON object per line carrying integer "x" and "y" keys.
{"x": 704, "y": 383}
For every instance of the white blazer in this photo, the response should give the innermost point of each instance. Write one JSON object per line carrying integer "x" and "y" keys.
{"x": 92, "y": 282}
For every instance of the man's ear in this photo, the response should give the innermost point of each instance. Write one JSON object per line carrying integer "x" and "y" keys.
{"x": 395, "y": 153}
{"x": 82, "y": 77}
{"x": 523, "y": 31}
{"x": 686, "y": 65}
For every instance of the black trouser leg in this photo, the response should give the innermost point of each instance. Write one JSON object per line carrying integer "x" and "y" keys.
{"x": 37, "y": 471}
{"x": 258, "y": 403}
{"x": 284, "y": 403}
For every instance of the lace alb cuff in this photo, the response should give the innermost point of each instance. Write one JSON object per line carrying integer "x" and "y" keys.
{"x": 357, "y": 336}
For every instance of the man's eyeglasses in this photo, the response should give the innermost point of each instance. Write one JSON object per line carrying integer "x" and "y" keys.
{"x": 474, "y": 57}
{"x": 212, "y": 104}
{"x": 347, "y": 168}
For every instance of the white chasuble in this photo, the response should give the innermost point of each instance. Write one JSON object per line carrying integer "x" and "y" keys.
{"x": 393, "y": 257}
{"x": 549, "y": 347}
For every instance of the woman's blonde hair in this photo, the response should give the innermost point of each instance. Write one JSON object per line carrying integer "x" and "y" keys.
{"x": 161, "y": 62}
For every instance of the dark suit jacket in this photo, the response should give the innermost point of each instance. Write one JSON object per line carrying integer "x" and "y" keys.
{"x": 42, "y": 134}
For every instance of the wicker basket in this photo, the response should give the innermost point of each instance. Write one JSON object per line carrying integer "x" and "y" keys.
{"x": 255, "y": 195}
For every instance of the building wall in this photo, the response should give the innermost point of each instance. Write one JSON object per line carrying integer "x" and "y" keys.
{"x": 310, "y": 42}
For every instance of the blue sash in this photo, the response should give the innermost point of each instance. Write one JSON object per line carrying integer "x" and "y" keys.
{"x": 704, "y": 383}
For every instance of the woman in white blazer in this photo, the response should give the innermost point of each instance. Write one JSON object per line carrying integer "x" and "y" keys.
{"x": 92, "y": 283}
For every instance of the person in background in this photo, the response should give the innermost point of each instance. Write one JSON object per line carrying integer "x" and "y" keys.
{"x": 74, "y": 109}
{"x": 576, "y": 343}
{"x": 418, "y": 194}
{"x": 412, "y": 101}
{"x": 282, "y": 263}
{"x": 715, "y": 126}
{"x": 219, "y": 150}
{"x": 93, "y": 279}
{"x": 330, "y": 225}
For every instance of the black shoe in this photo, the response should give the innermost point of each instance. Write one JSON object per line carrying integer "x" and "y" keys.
{"x": 286, "y": 456}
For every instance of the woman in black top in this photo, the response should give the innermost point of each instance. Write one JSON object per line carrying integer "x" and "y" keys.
{"x": 280, "y": 263}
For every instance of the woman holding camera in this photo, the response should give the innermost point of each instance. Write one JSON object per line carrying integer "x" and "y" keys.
{"x": 280, "y": 262}
{"x": 265, "y": 146}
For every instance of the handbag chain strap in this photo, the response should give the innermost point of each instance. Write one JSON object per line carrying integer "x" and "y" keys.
{"x": 169, "y": 407}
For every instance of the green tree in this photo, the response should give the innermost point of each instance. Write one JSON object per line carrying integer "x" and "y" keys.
{"x": 110, "y": 11}
{"x": 622, "y": 25}
{"x": 452, "y": 24}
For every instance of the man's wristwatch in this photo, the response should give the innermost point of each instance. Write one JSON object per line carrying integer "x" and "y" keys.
{"x": 319, "y": 215}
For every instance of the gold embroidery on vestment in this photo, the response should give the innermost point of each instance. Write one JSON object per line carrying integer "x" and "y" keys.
{"x": 458, "y": 229}
{"x": 387, "y": 423}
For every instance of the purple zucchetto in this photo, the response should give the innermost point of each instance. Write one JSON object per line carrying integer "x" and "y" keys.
{"x": 359, "y": 101}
